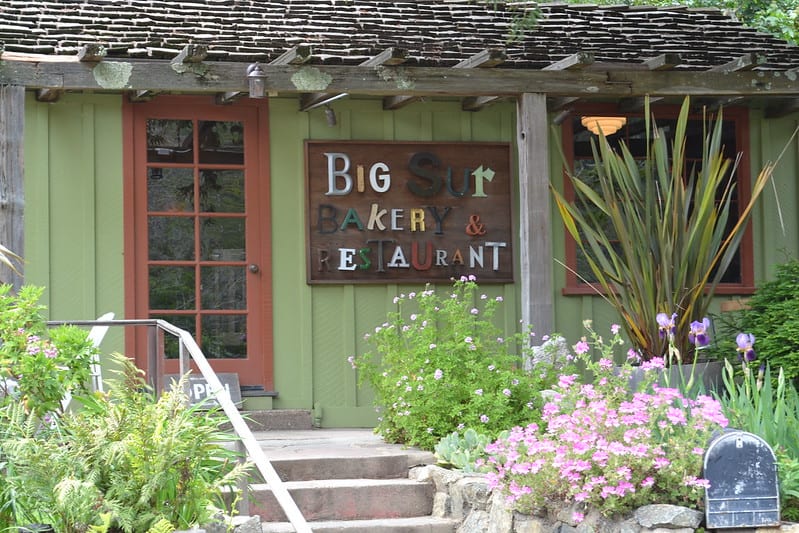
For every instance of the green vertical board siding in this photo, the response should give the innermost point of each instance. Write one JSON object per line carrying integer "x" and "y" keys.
{"x": 330, "y": 321}
{"x": 73, "y": 204}
{"x": 74, "y": 230}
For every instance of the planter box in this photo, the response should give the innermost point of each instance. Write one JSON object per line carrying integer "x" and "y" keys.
{"x": 709, "y": 373}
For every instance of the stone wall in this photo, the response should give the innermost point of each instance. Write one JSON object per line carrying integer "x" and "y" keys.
{"x": 467, "y": 497}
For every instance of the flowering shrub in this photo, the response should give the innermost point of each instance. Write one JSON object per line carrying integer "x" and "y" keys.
{"x": 606, "y": 447}
{"x": 440, "y": 364}
{"x": 37, "y": 365}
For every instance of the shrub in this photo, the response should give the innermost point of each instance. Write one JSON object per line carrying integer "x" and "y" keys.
{"x": 773, "y": 318}
{"x": 440, "y": 364}
{"x": 38, "y": 366}
{"x": 125, "y": 458}
{"x": 608, "y": 448}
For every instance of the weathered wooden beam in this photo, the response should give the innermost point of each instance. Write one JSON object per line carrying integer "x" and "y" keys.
{"x": 561, "y": 117}
{"x": 388, "y": 57}
{"x": 535, "y": 222}
{"x": 220, "y": 77}
{"x": 12, "y": 189}
{"x": 663, "y": 62}
{"x": 476, "y": 103}
{"x": 310, "y": 101}
{"x": 573, "y": 62}
{"x": 714, "y": 104}
{"x": 637, "y": 104}
{"x": 228, "y": 97}
{"x": 192, "y": 53}
{"x": 745, "y": 62}
{"x": 487, "y": 58}
{"x": 296, "y": 55}
{"x": 557, "y": 104}
{"x": 48, "y": 95}
{"x": 92, "y": 53}
{"x": 141, "y": 96}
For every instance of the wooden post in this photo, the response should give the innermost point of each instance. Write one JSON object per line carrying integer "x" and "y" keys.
{"x": 535, "y": 226}
{"x": 12, "y": 192}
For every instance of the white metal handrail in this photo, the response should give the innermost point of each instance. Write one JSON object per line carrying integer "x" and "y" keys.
{"x": 254, "y": 451}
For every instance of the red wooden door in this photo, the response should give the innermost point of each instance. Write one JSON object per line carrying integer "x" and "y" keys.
{"x": 197, "y": 193}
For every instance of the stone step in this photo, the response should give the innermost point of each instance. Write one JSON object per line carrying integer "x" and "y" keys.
{"x": 279, "y": 419}
{"x": 347, "y": 499}
{"x": 424, "y": 524}
{"x": 338, "y": 467}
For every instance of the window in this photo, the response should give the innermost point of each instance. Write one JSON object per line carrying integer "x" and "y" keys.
{"x": 739, "y": 277}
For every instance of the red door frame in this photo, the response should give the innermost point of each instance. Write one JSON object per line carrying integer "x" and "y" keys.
{"x": 257, "y": 368}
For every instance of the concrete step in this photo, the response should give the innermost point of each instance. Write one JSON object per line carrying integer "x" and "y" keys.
{"x": 347, "y": 499}
{"x": 384, "y": 525}
{"x": 279, "y": 419}
{"x": 338, "y": 467}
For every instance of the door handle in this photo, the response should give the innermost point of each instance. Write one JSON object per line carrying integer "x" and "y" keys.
{"x": 254, "y": 268}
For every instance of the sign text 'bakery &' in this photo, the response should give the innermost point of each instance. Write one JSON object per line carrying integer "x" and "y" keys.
{"x": 393, "y": 212}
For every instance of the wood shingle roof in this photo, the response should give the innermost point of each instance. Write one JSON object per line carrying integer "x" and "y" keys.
{"x": 347, "y": 32}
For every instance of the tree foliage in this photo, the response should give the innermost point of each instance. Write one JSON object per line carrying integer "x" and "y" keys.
{"x": 777, "y": 17}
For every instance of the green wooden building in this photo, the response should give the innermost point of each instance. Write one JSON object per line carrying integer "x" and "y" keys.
{"x": 269, "y": 175}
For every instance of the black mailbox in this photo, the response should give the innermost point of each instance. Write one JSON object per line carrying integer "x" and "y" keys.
{"x": 743, "y": 493}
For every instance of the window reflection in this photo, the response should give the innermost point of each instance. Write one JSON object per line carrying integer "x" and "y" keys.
{"x": 224, "y": 336}
{"x": 222, "y": 191}
{"x": 171, "y": 238}
{"x": 170, "y": 140}
{"x": 170, "y": 189}
{"x": 221, "y": 142}
{"x": 222, "y": 239}
{"x": 223, "y": 287}
{"x": 172, "y": 288}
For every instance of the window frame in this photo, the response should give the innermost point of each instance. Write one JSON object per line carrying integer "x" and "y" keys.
{"x": 738, "y": 115}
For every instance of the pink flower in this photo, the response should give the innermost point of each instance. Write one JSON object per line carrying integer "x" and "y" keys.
{"x": 564, "y": 382}
{"x": 581, "y": 347}
{"x": 578, "y": 517}
{"x": 614, "y": 329}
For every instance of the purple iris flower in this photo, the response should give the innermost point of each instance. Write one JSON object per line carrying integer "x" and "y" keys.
{"x": 745, "y": 341}
{"x": 666, "y": 325}
{"x": 700, "y": 333}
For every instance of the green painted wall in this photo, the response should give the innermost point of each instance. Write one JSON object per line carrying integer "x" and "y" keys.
{"x": 317, "y": 328}
{"x": 74, "y": 230}
{"x": 73, "y": 206}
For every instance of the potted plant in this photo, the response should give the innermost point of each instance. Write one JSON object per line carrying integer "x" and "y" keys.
{"x": 658, "y": 235}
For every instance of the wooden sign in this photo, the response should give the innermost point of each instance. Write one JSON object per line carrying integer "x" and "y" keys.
{"x": 199, "y": 391}
{"x": 396, "y": 212}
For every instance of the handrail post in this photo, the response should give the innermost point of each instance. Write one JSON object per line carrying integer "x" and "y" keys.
{"x": 183, "y": 357}
{"x": 153, "y": 374}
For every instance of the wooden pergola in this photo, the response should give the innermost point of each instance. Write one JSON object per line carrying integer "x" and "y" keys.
{"x": 539, "y": 94}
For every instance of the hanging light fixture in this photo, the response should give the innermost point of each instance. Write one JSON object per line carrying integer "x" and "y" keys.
{"x": 607, "y": 125}
{"x": 256, "y": 78}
